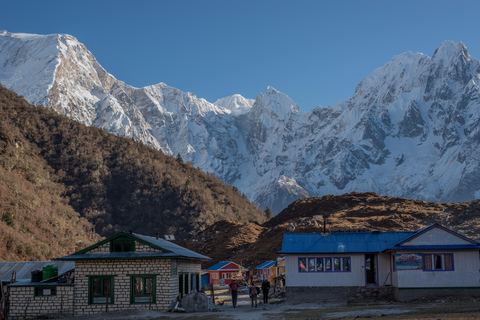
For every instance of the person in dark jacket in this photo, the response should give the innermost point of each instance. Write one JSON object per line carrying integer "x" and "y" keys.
{"x": 265, "y": 288}
{"x": 234, "y": 287}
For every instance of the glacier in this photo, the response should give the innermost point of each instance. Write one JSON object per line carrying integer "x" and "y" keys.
{"x": 411, "y": 129}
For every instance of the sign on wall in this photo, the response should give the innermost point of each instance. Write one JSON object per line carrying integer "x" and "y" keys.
{"x": 408, "y": 261}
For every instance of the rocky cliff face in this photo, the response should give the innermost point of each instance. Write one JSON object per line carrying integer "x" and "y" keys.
{"x": 410, "y": 130}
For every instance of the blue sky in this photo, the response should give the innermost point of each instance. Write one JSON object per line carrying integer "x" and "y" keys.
{"x": 314, "y": 51}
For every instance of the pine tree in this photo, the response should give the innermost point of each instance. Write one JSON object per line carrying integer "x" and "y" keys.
{"x": 268, "y": 213}
{"x": 179, "y": 159}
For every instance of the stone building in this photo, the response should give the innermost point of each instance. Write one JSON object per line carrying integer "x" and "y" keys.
{"x": 125, "y": 271}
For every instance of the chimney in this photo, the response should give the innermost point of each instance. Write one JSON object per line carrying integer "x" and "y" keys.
{"x": 157, "y": 235}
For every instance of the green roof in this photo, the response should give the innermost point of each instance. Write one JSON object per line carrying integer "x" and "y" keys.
{"x": 167, "y": 250}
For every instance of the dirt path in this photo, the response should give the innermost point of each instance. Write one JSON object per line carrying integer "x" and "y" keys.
{"x": 281, "y": 310}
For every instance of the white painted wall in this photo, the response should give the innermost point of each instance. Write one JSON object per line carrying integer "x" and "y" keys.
{"x": 466, "y": 273}
{"x": 384, "y": 269}
{"x": 436, "y": 236}
{"x": 356, "y": 277}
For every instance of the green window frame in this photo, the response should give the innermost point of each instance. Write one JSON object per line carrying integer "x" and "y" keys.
{"x": 99, "y": 287}
{"x": 122, "y": 244}
{"x": 143, "y": 288}
{"x": 45, "y": 291}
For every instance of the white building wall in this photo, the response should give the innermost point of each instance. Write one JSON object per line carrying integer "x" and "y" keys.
{"x": 436, "y": 237}
{"x": 384, "y": 269}
{"x": 466, "y": 273}
{"x": 294, "y": 278}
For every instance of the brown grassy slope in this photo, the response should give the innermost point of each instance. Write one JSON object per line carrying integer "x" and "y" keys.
{"x": 343, "y": 212}
{"x": 117, "y": 183}
{"x": 36, "y": 222}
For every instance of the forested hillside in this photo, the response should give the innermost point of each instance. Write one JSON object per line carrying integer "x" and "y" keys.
{"x": 116, "y": 183}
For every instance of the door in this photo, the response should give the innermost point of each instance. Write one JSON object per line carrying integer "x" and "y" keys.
{"x": 371, "y": 269}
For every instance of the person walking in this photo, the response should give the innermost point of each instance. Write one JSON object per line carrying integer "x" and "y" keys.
{"x": 253, "y": 294}
{"x": 234, "y": 287}
{"x": 265, "y": 288}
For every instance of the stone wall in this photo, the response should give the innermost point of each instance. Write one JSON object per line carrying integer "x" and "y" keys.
{"x": 24, "y": 304}
{"x": 166, "y": 285}
{"x": 139, "y": 247}
{"x": 407, "y": 294}
{"x": 350, "y": 294}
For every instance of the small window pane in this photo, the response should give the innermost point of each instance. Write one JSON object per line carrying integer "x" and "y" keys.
{"x": 319, "y": 264}
{"x": 148, "y": 285}
{"x": 448, "y": 261}
{"x": 427, "y": 259}
{"x": 302, "y": 264}
{"x": 311, "y": 264}
{"x": 97, "y": 287}
{"x": 438, "y": 262}
{"x": 106, "y": 286}
{"x": 117, "y": 247}
{"x": 128, "y": 246}
{"x": 346, "y": 264}
{"x": 328, "y": 264}
{"x": 138, "y": 286}
{"x": 336, "y": 264}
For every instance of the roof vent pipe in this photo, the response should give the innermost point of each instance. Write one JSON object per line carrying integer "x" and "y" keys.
{"x": 157, "y": 235}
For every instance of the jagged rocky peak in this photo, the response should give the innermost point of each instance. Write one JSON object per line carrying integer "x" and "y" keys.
{"x": 409, "y": 130}
{"x": 451, "y": 51}
{"x": 236, "y": 104}
{"x": 275, "y": 102}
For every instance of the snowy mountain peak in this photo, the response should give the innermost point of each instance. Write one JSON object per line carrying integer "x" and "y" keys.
{"x": 450, "y": 50}
{"x": 411, "y": 129}
{"x": 275, "y": 102}
{"x": 236, "y": 104}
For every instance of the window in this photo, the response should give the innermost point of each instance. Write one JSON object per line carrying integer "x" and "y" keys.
{"x": 100, "y": 288}
{"x": 302, "y": 264}
{"x": 122, "y": 244}
{"x": 45, "y": 291}
{"x": 336, "y": 264}
{"x": 328, "y": 264}
{"x": 438, "y": 262}
{"x": 195, "y": 281}
{"x": 346, "y": 264}
{"x": 143, "y": 289}
{"x": 311, "y": 264}
{"x": 319, "y": 264}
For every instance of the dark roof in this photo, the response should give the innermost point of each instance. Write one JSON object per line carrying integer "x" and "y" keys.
{"x": 343, "y": 242}
{"x": 24, "y": 269}
{"x": 167, "y": 250}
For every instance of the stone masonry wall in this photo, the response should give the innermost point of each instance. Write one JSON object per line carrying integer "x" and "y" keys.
{"x": 166, "y": 286}
{"x": 139, "y": 247}
{"x": 24, "y": 304}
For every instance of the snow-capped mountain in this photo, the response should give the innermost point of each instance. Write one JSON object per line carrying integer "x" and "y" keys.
{"x": 411, "y": 129}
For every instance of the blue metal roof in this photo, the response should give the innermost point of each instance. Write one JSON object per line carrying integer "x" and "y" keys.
{"x": 222, "y": 264}
{"x": 348, "y": 242}
{"x": 266, "y": 265}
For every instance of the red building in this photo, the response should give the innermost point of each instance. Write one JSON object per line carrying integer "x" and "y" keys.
{"x": 224, "y": 272}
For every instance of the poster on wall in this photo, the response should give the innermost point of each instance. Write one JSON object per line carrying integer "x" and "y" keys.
{"x": 408, "y": 261}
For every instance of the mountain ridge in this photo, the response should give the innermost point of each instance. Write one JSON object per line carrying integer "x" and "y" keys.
{"x": 410, "y": 129}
